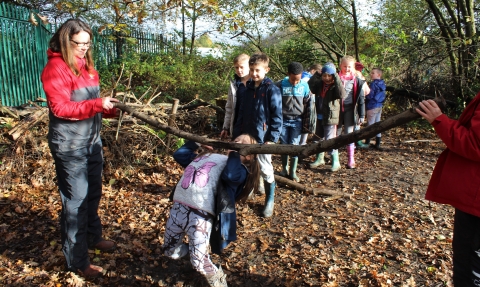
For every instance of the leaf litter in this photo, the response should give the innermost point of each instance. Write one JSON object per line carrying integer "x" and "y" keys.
{"x": 386, "y": 234}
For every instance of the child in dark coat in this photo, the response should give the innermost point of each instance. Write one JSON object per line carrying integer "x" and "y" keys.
{"x": 204, "y": 199}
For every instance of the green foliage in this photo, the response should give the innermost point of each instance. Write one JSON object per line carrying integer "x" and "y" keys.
{"x": 204, "y": 41}
{"x": 180, "y": 142}
{"x": 173, "y": 74}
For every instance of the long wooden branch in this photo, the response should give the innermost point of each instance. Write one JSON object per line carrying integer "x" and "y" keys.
{"x": 306, "y": 150}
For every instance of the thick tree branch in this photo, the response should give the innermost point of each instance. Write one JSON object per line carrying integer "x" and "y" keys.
{"x": 305, "y": 150}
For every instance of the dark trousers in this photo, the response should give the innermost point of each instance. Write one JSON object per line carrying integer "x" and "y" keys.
{"x": 466, "y": 250}
{"x": 79, "y": 175}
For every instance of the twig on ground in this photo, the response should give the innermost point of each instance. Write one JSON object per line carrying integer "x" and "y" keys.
{"x": 413, "y": 141}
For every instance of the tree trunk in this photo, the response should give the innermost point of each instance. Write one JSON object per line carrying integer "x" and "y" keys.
{"x": 355, "y": 30}
{"x": 305, "y": 150}
{"x": 184, "y": 40}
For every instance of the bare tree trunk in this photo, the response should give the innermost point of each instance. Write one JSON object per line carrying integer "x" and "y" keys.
{"x": 355, "y": 30}
{"x": 184, "y": 40}
{"x": 194, "y": 22}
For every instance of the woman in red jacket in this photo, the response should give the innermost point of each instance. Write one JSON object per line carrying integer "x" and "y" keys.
{"x": 456, "y": 181}
{"x": 71, "y": 85}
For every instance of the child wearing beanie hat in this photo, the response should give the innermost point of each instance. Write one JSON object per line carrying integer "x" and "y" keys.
{"x": 329, "y": 93}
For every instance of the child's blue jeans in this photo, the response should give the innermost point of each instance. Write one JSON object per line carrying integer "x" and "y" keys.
{"x": 291, "y": 131}
{"x": 374, "y": 116}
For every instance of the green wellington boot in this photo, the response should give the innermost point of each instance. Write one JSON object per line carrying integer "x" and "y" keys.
{"x": 366, "y": 145}
{"x": 269, "y": 199}
{"x": 335, "y": 161}
{"x": 360, "y": 144}
{"x": 319, "y": 160}
{"x": 284, "y": 171}
{"x": 293, "y": 169}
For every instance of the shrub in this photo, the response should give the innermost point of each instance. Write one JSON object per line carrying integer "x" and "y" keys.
{"x": 175, "y": 75}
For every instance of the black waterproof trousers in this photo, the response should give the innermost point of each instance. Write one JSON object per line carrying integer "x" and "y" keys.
{"x": 466, "y": 250}
{"x": 79, "y": 176}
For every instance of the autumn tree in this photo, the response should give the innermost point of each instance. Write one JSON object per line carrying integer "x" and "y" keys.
{"x": 456, "y": 24}
{"x": 333, "y": 24}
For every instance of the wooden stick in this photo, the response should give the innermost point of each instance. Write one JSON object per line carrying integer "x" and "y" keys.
{"x": 171, "y": 120}
{"x": 413, "y": 141}
{"x": 7, "y": 111}
{"x": 300, "y": 187}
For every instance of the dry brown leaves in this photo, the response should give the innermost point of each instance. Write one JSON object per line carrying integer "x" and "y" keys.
{"x": 386, "y": 234}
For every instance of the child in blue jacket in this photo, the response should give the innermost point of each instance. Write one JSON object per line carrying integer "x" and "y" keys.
{"x": 204, "y": 204}
{"x": 260, "y": 115}
{"x": 295, "y": 93}
{"x": 374, "y": 102}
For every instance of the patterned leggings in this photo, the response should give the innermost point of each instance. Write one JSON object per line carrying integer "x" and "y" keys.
{"x": 197, "y": 225}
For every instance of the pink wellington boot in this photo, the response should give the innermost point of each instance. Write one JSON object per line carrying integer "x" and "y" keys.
{"x": 351, "y": 155}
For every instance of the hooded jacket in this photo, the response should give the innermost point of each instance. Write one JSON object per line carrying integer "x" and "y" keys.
{"x": 358, "y": 99}
{"x": 260, "y": 113}
{"x": 75, "y": 106}
{"x": 376, "y": 97}
{"x": 330, "y": 105}
{"x": 227, "y": 189}
{"x": 293, "y": 98}
{"x": 456, "y": 177}
{"x": 234, "y": 100}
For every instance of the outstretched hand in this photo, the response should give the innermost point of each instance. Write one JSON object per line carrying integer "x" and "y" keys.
{"x": 430, "y": 110}
{"x": 107, "y": 103}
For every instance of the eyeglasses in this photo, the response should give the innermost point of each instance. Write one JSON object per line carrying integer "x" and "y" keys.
{"x": 80, "y": 45}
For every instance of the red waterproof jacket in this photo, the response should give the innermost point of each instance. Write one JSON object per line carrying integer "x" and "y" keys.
{"x": 74, "y": 103}
{"x": 456, "y": 177}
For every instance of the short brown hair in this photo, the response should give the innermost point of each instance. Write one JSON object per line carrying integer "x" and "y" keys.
{"x": 60, "y": 43}
{"x": 380, "y": 71}
{"x": 240, "y": 58}
{"x": 316, "y": 67}
{"x": 259, "y": 58}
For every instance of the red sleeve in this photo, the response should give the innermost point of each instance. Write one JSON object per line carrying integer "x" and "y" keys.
{"x": 58, "y": 84}
{"x": 112, "y": 113}
{"x": 462, "y": 140}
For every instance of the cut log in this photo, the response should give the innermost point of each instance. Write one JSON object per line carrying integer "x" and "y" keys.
{"x": 310, "y": 190}
{"x": 27, "y": 123}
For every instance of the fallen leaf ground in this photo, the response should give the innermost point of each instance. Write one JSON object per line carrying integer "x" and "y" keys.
{"x": 385, "y": 234}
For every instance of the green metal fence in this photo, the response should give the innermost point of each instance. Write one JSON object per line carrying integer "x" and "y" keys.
{"x": 110, "y": 45}
{"x": 22, "y": 55}
{"x": 23, "y": 49}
